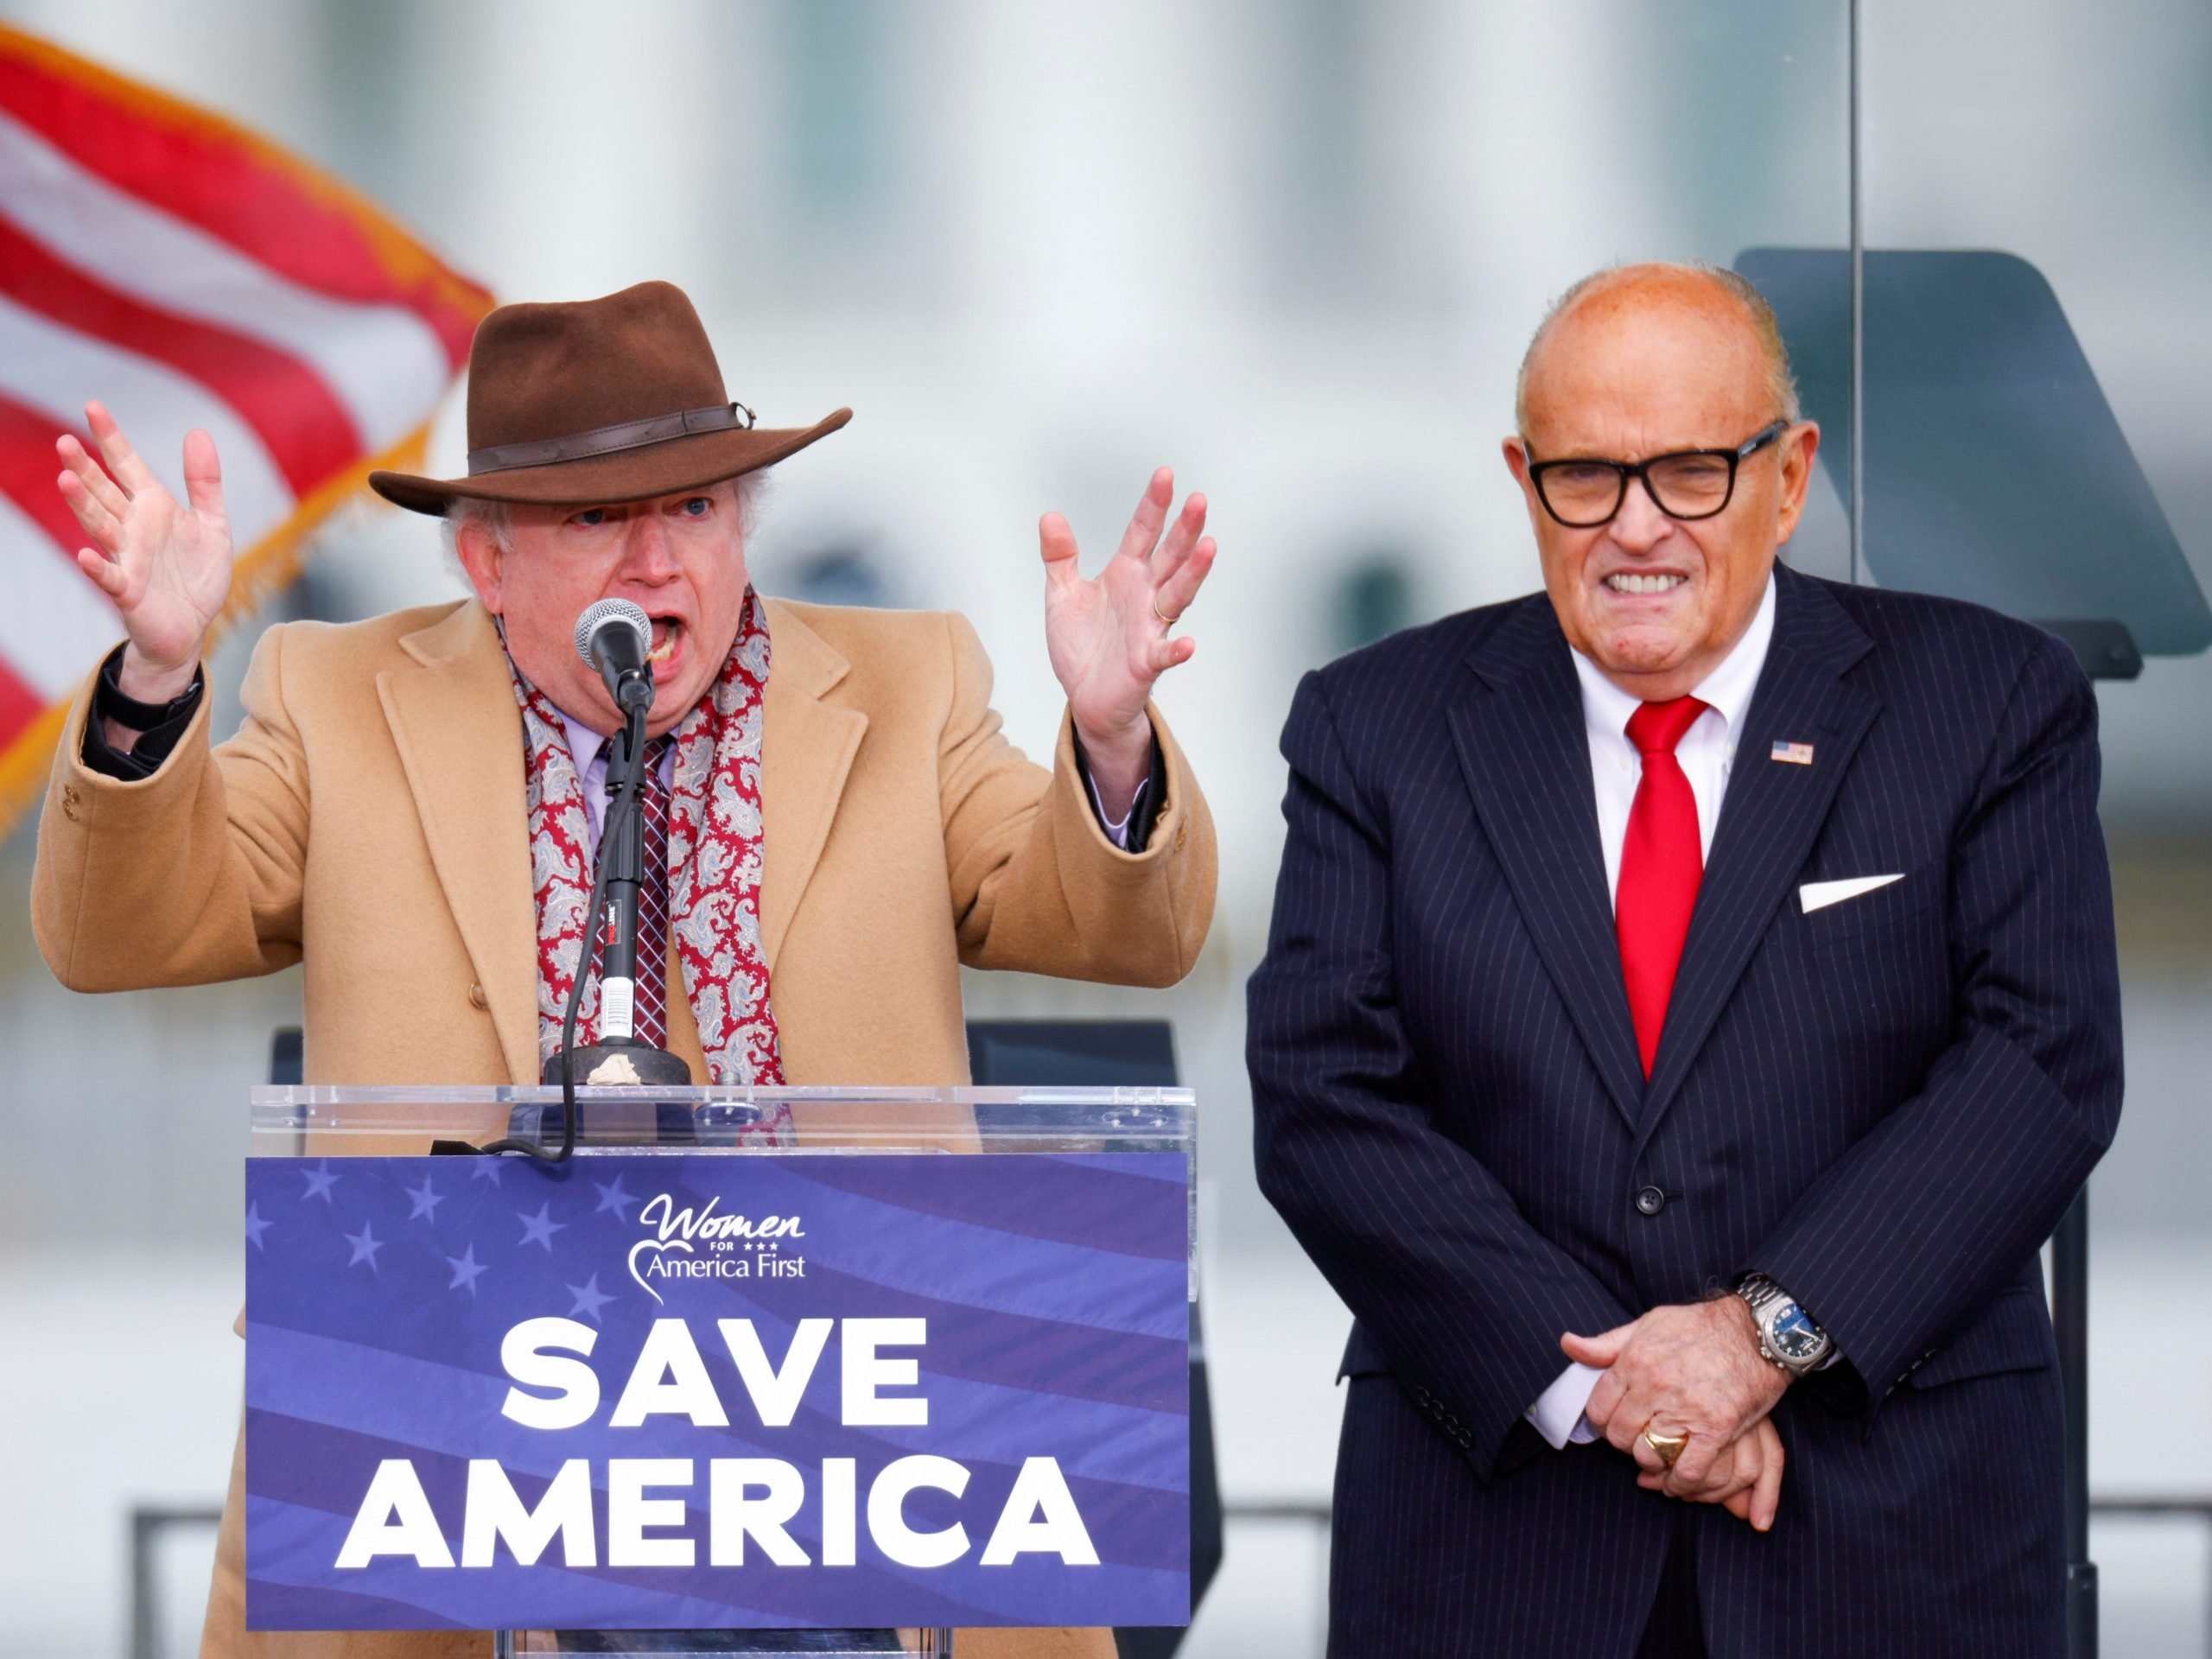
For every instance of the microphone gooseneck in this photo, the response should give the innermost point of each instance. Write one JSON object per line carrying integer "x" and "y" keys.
{"x": 616, "y": 638}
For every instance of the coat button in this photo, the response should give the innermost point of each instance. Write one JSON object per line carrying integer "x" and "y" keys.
{"x": 476, "y": 997}
{"x": 1650, "y": 1201}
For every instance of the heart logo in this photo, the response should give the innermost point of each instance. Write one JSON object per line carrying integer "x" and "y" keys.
{"x": 655, "y": 1246}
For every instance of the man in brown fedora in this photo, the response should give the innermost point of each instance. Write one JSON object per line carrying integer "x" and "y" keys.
{"x": 412, "y": 802}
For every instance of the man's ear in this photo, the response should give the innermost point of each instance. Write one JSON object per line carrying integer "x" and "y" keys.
{"x": 1799, "y": 445}
{"x": 1516, "y": 462}
{"x": 483, "y": 559}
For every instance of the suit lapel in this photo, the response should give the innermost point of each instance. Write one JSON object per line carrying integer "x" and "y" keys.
{"x": 1522, "y": 741}
{"x": 456, "y": 723}
{"x": 1770, "y": 816}
{"x": 807, "y": 749}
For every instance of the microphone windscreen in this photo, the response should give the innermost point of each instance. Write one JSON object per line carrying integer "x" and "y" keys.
{"x": 610, "y": 613}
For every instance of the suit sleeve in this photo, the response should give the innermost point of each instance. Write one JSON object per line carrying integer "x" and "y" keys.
{"x": 1939, "y": 1207}
{"x": 191, "y": 873}
{"x": 1429, "y": 1251}
{"x": 1036, "y": 885}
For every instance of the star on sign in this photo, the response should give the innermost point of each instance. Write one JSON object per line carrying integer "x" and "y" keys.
{"x": 424, "y": 1199}
{"x": 320, "y": 1181}
{"x": 365, "y": 1245}
{"x": 590, "y": 1299}
{"x": 464, "y": 1268}
{"x": 612, "y": 1196}
{"x": 540, "y": 1228}
{"x": 487, "y": 1169}
{"x": 255, "y": 1226}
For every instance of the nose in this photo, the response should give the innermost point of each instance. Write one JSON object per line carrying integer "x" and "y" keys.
{"x": 1639, "y": 525}
{"x": 645, "y": 556}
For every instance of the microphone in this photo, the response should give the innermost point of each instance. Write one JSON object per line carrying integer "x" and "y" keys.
{"x": 615, "y": 636}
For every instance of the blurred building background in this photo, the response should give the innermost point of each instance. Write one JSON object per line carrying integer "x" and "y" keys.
{"x": 1292, "y": 248}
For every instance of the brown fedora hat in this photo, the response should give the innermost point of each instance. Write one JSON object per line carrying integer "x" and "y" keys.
{"x": 617, "y": 399}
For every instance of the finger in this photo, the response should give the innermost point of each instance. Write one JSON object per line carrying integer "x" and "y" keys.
{"x": 1057, "y": 542}
{"x": 1182, "y": 535}
{"x": 99, "y": 523}
{"x": 203, "y": 475}
{"x": 1605, "y": 1402}
{"x": 110, "y": 576}
{"x": 132, "y": 473}
{"x": 1164, "y": 654}
{"x": 1766, "y": 1495}
{"x": 1694, "y": 1466}
{"x": 1598, "y": 1351}
{"x": 90, "y": 473}
{"x": 1653, "y": 1465}
{"x": 1739, "y": 1506}
{"x": 1143, "y": 533}
{"x": 1181, "y": 585}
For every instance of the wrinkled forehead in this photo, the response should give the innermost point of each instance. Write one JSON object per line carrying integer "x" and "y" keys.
{"x": 1640, "y": 369}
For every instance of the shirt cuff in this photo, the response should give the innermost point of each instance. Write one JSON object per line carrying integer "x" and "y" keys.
{"x": 1558, "y": 1411}
{"x": 1117, "y": 830}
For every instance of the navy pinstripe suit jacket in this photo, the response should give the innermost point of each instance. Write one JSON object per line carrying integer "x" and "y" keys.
{"x": 1885, "y": 1105}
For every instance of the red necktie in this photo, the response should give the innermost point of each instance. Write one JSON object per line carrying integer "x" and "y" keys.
{"x": 652, "y": 902}
{"x": 1661, "y": 863}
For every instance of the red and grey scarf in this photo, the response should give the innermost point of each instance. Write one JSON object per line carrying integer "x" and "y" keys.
{"x": 715, "y": 838}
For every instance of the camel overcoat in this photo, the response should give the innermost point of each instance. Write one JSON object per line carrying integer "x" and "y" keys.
{"x": 368, "y": 821}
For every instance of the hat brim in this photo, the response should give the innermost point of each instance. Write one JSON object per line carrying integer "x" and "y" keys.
{"x": 684, "y": 463}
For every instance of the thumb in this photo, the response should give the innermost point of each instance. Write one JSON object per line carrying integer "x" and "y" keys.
{"x": 1599, "y": 1351}
{"x": 1057, "y": 542}
{"x": 203, "y": 474}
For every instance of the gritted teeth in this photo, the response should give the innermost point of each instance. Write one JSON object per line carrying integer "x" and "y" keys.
{"x": 1625, "y": 582}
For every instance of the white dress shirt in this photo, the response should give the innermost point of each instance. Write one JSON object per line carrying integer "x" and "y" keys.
{"x": 1707, "y": 754}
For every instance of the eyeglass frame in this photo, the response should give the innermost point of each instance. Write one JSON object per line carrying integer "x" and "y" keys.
{"x": 1638, "y": 470}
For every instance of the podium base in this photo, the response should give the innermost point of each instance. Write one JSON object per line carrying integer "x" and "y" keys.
{"x": 720, "y": 1645}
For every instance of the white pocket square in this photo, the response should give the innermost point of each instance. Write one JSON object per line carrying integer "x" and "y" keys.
{"x": 1818, "y": 895}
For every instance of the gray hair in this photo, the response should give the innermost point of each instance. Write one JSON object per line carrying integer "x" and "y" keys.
{"x": 1780, "y": 385}
{"x": 495, "y": 520}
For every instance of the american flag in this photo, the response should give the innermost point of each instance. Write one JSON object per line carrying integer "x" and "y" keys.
{"x": 187, "y": 273}
{"x": 1796, "y": 755}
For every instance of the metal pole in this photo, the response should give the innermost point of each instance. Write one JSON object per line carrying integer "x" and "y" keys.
{"x": 2070, "y": 1318}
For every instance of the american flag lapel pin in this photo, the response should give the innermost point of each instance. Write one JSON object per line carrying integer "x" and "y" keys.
{"x": 1795, "y": 754}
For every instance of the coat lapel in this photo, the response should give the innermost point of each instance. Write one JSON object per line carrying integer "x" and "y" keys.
{"x": 456, "y": 723}
{"x": 1770, "y": 816}
{"x": 1522, "y": 743}
{"x": 807, "y": 749}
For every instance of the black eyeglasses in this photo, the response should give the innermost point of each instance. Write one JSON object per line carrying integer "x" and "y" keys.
{"x": 1583, "y": 494}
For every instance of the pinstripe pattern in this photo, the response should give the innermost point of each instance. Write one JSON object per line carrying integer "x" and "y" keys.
{"x": 1885, "y": 1105}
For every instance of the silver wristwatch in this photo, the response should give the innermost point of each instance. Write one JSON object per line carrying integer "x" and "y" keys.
{"x": 1788, "y": 1336}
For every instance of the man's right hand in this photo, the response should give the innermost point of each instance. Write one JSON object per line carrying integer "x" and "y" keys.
{"x": 167, "y": 566}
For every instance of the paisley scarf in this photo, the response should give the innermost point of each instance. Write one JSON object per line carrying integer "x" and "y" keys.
{"x": 714, "y": 866}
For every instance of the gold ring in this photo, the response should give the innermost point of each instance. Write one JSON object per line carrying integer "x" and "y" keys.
{"x": 1668, "y": 1446}
{"x": 1169, "y": 621}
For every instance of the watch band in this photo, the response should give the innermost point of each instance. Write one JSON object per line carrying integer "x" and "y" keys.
{"x": 125, "y": 710}
{"x": 1761, "y": 1293}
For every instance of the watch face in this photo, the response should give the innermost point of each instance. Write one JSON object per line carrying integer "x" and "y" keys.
{"x": 1795, "y": 1336}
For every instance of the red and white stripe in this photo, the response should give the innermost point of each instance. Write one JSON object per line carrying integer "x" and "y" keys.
{"x": 186, "y": 274}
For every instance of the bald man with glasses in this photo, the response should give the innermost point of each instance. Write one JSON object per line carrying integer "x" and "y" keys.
{"x": 1691, "y": 1001}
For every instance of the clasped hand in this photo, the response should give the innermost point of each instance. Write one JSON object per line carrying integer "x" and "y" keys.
{"x": 1692, "y": 1370}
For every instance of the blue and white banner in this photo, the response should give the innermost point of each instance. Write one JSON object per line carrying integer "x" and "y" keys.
{"x": 655, "y": 1391}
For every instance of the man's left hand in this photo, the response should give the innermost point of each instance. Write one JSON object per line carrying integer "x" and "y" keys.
{"x": 1107, "y": 636}
{"x": 1693, "y": 1370}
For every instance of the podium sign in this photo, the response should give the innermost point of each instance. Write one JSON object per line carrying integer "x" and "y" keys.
{"x": 651, "y": 1391}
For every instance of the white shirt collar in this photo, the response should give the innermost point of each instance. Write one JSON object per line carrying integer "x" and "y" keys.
{"x": 1726, "y": 691}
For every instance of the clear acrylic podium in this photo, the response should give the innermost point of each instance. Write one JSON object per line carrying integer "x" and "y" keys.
{"x": 325, "y": 1122}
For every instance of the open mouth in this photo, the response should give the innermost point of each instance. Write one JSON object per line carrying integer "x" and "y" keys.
{"x": 666, "y": 633}
{"x": 1625, "y": 582}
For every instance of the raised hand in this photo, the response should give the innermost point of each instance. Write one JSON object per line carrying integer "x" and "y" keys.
{"x": 1107, "y": 636}
{"x": 1694, "y": 1369}
{"x": 166, "y": 565}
